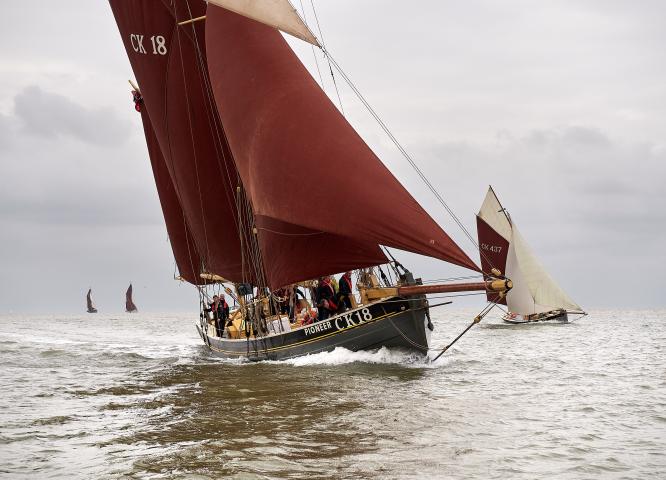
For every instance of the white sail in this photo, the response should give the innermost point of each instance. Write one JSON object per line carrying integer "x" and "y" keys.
{"x": 493, "y": 214}
{"x": 534, "y": 289}
{"x": 518, "y": 299}
{"x": 278, "y": 14}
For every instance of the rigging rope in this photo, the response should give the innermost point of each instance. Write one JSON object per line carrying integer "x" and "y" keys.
{"x": 323, "y": 49}
{"x": 314, "y": 52}
{"x": 399, "y": 146}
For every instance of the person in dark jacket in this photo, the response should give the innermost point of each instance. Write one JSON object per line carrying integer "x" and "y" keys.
{"x": 326, "y": 299}
{"x": 293, "y": 293}
{"x": 345, "y": 290}
{"x": 214, "y": 307}
{"x": 224, "y": 320}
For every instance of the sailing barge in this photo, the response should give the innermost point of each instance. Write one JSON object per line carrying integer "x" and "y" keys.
{"x": 90, "y": 307}
{"x": 130, "y": 307}
{"x": 265, "y": 185}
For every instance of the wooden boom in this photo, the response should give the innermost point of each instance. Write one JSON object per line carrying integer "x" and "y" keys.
{"x": 499, "y": 286}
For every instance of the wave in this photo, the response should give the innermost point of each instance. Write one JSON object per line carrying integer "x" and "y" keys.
{"x": 384, "y": 356}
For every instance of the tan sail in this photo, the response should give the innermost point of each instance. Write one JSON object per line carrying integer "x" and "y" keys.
{"x": 278, "y": 14}
{"x": 534, "y": 291}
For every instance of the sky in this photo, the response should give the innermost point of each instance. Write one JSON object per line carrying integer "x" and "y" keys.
{"x": 560, "y": 105}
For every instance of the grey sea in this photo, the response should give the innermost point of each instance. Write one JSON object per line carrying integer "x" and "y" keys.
{"x": 138, "y": 396}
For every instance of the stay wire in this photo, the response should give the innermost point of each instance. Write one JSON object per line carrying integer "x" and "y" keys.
{"x": 325, "y": 52}
{"x": 400, "y": 148}
{"x": 314, "y": 52}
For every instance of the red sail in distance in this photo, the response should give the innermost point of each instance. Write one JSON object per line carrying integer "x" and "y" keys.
{"x": 129, "y": 303}
{"x": 184, "y": 250}
{"x": 301, "y": 162}
{"x": 89, "y": 304}
{"x": 171, "y": 72}
{"x": 494, "y": 249}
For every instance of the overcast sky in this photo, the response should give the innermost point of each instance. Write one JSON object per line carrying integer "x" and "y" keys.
{"x": 560, "y": 105}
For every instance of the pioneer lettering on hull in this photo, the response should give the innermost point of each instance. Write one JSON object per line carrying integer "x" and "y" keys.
{"x": 318, "y": 327}
{"x": 157, "y": 44}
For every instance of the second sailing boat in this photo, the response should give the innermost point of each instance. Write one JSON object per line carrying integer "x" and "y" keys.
{"x": 535, "y": 297}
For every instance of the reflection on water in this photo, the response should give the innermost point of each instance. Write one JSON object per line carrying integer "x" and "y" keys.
{"x": 139, "y": 397}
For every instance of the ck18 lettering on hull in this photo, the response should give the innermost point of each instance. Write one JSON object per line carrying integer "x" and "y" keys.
{"x": 353, "y": 319}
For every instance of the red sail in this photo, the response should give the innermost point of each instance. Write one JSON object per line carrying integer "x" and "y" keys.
{"x": 292, "y": 253}
{"x": 182, "y": 244}
{"x": 129, "y": 303}
{"x": 300, "y": 160}
{"x": 494, "y": 249}
{"x": 171, "y": 72}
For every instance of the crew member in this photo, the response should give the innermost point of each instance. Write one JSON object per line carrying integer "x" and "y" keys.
{"x": 326, "y": 303}
{"x": 214, "y": 308}
{"x": 293, "y": 293}
{"x": 345, "y": 291}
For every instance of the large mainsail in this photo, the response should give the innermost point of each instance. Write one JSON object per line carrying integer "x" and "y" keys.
{"x": 171, "y": 71}
{"x": 184, "y": 118}
{"x": 305, "y": 169}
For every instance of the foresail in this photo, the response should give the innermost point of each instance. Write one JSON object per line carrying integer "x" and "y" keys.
{"x": 494, "y": 231}
{"x": 301, "y": 162}
{"x": 546, "y": 294}
{"x": 278, "y": 14}
{"x": 493, "y": 249}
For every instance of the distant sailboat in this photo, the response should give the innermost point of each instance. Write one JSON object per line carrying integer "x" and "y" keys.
{"x": 129, "y": 303}
{"x": 535, "y": 296}
{"x": 89, "y": 303}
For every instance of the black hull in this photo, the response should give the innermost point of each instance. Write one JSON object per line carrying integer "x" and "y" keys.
{"x": 391, "y": 323}
{"x": 562, "y": 317}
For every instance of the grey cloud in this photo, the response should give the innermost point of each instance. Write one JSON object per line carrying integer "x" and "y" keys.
{"x": 102, "y": 205}
{"x": 6, "y": 131}
{"x": 575, "y": 177}
{"x": 51, "y": 115}
{"x": 573, "y": 137}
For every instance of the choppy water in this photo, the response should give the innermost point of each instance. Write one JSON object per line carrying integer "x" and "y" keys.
{"x": 139, "y": 397}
